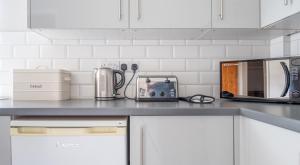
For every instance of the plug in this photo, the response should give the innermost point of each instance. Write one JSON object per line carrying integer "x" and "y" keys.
{"x": 123, "y": 67}
{"x": 134, "y": 67}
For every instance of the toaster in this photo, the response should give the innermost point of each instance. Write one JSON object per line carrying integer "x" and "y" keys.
{"x": 157, "y": 88}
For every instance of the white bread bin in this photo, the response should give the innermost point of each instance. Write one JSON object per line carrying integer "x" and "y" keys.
{"x": 41, "y": 84}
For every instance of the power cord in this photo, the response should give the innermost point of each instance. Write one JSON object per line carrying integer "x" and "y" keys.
{"x": 134, "y": 68}
{"x": 198, "y": 99}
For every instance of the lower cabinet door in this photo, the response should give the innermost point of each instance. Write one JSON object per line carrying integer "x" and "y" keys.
{"x": 189, "y": 140}
{"x": 265, "y": 144}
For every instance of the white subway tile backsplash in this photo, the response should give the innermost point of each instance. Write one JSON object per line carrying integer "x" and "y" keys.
{"x": 6, "y": 78}
{"x": 90, "y": 64}
{"x": 172, "y": 42}
{"x": 87, "y": 91}
{"x": 34, "y": 38}
{"x": 68, "y": 64}
{"x": 119, "y": 42}
{"x": 186, "y": 52}
{"x": 148, "y": 65}
{"x": 225, "y": 42}
{"x": 182, "y": 91}
{"x": 9, "y": 64}
{"x": 198, "y": 89}
{"x": 198, "y": 42}
{"x": 212, "y": 52}
{"x": 66, "y": 42}
{"x": 6, "y": 51}
{"x": 82, "y": 78}
{"x": 5, "y": 91}
{"x": 132, "y": 52}
{"x": 75, "y": 92}
{"x": 26, "y": 51}
{"x": 159, "y": 52}
{"x": 261, "y": 51}
{"x": 172, "y": 65}
{"x": 216, "y": 92}
{"x": 198, "y": 65}
{"x": 146, "y": 42}
{"x": 187, "y": 78}
{"x": 209, "y": 78}
{"x": 50, "y": 51}
{"x": 80, "y": 52}
{"x": 238, "y": 51}
{"x": 39, "y": 64}
{"x": 12, "y": 38}
{"x": 252, "y": 42}
{"x": 194, "y": 62}
{"x": 107, "y": 52}
{"x": 294, "y": 47}
{"x": 92, "y": 42}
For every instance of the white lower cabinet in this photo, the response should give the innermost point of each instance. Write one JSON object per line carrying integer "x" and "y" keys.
{"x": 265, "y": 144}
{"x": 182, "y": 140}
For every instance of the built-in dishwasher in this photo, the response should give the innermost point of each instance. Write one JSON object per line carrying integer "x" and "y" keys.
{"x": 69, "y": 141}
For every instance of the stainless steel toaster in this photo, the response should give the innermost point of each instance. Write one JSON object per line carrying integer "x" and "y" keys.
{"x": 157, "y": 88}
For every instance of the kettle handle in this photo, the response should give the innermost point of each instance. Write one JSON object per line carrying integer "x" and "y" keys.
{"x": 120, "y": 84}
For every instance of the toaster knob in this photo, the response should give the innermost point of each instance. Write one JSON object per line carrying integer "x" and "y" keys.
{"x": 148, "y": 80}
{"x": 152, "y": 93}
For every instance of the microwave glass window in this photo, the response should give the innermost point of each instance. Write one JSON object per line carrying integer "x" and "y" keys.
{"x": 255, "y": 78}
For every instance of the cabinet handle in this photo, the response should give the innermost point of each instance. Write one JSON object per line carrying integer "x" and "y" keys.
{"x": 120, "y": 10}
{"x": 142, "y": 146}
{"x": 286, "y": 2}
{"x": 139, "y": 10}
{"x": 221, "y": 10}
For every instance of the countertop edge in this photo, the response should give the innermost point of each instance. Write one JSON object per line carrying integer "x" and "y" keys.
{"x": 283, "y": 122}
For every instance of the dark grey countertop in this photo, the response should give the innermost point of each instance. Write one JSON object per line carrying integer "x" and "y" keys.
{"x": 282, "y": 115}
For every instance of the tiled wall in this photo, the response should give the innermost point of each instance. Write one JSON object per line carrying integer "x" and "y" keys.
{"x": 295, "y": 44}
{"x": 195, "y": 62}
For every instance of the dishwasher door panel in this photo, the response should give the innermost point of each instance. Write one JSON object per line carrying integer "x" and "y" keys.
{"x": 69, "y": 150}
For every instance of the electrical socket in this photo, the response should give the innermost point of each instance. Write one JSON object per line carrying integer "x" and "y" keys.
{"x": 129, "y": 64}
{"x": 134, "y": 67}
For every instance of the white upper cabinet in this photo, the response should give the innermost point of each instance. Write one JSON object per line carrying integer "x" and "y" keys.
{"x": 77, "y": 14}
{"x": 275, "y": 10}
{"x": 235, "y": 14}
{"x": 13, "y": 15}
{"x": 170, "y": 13}
{"x": 295, "y": 6}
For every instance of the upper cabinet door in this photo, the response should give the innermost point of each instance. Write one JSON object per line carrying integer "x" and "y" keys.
{"x": 235, "y": 14}
{"x": 170, "y": 14}
{"x": 13, "y": 15}
{"x": 76, "y": 14}
{"x": 275, "y": 10}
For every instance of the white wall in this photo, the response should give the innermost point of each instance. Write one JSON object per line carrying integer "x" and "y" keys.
{"x": 195, "y": 62}
{"x": 295, "y": 44}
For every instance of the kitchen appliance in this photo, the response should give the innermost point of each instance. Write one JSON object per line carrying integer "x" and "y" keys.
{"x": 41, "y": 84}
{"x": 157, "y": 88}
{"x": 69, "y": 141}
{"x": 107, "y": 83}
{"x": 266, "y": 80}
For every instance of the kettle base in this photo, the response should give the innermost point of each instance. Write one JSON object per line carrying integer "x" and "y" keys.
{"x": 107, "y": 98}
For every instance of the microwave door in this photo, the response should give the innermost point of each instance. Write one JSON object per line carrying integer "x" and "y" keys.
{"x": 277, "y": 77}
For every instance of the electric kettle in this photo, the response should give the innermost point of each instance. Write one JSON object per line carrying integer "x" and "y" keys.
{"x": 107, "y": 83}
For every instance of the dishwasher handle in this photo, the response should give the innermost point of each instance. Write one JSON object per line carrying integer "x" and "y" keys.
{"x": 91, "y": 131}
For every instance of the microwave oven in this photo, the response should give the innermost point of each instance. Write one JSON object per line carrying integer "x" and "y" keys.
{"x": 262, "y": 80}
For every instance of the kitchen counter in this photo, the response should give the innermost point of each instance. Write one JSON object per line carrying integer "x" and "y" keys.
{"x": 282, "y": 115}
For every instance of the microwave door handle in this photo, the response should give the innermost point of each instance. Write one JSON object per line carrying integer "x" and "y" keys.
{"x": 287, "y": 79}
